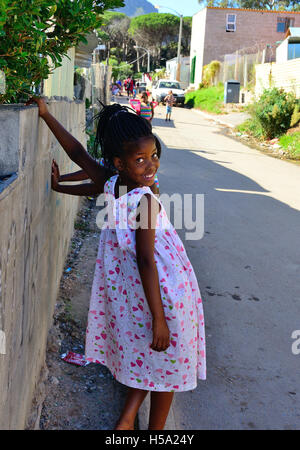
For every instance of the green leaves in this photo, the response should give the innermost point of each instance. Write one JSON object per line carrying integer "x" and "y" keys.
{"x": 34, "y": 34}
{"x": 274, "y": 110}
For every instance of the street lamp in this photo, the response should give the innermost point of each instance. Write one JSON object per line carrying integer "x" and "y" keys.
{"x": 148, "y": 51}
{"x": 179, "y": 39}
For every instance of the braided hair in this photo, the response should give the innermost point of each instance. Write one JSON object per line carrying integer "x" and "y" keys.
{"x": 117, "y": 126}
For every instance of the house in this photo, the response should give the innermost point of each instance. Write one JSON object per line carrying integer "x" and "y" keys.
{"x": 219, "y": 31}
{"x": 171, "y": 69}
{"x": 290, "y": 47}
{"x": 285, "y": 73}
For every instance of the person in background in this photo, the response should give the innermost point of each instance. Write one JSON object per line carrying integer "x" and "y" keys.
{"x": 146, "y": 111}
{"x": 169, "y": 99}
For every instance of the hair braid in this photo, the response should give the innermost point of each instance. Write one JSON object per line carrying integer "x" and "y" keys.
{"x": 117, "y": 125}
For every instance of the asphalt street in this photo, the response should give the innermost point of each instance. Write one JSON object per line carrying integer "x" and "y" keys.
{"x": 248, "y": 269}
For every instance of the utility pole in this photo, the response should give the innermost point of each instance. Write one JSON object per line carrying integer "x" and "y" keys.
{"x": 178, "y": 70}
{"x": 148, "y": 62}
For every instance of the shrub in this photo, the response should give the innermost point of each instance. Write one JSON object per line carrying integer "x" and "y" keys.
{"x": 209, "y": 72}
{"x": 274, "y": 110}
{"x": 32, "y": 33}
{"x": 296, "y": 115}
{"x": 291, "y": 144}
{"x": 209, "y": 99}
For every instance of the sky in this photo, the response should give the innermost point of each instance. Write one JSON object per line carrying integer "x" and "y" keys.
{"x": 186, "y": 8}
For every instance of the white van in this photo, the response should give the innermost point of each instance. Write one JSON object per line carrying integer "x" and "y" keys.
{"x": 162, "y": 87}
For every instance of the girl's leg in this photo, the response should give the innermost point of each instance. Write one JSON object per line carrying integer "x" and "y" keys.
{"x": 159, "y": 410}
{"x": 134, "y": 400}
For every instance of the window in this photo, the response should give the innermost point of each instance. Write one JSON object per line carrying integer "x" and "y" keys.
{"x": 293, "y": 50}
{"x": 169, "y": 85}
{"x": 283, "y": 23}
{"x": 230, "y": 22}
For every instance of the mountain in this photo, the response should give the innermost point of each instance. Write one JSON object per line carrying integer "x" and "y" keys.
{"x": 135, "y": 8}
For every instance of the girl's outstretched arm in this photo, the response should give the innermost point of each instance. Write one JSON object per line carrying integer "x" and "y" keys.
{"x": 74, "y": 176}
{"x": 80, "y": 175}
{"x": 87, "y": 189}
{"x": 72, "y": 146}
{"x": 145, "y": 238}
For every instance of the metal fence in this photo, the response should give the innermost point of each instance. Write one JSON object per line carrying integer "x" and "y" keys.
{"x": 240, "y": 65}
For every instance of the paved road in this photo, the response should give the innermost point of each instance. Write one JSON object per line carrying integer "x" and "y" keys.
{"x": 248, "y": 268}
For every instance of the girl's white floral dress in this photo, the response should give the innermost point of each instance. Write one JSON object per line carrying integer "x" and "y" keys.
{"x": 119, "y": 331}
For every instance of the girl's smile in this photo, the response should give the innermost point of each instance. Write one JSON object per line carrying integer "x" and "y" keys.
{"x": 139, "y": 165}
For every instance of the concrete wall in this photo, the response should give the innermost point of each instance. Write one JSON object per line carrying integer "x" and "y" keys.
{"x": 285, "y": 75}
{"x": 36, "y": 227}
{"x": 253, "y": 27}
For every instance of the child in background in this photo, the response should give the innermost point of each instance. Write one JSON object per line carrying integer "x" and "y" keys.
{"x": 146, "y": 319}
{"x": 146, "y": 111}
{"x": 134, "y": 92}
{"x": 169, "y": 99}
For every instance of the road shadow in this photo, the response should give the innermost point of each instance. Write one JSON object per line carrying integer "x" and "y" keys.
{"x": 248, "y": 268}
{"x": 157, "y": 122}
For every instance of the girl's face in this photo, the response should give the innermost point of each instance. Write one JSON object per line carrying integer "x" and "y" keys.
{"x": 140, "y": 162}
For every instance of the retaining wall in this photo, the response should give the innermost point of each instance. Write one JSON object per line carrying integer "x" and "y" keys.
{"x": 36, "y": 225}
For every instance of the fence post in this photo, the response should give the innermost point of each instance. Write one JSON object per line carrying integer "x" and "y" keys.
{"x": 245, "y": 70}
{"x": 236, "y": 67}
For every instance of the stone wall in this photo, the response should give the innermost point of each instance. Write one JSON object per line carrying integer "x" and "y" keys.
{"x": 281, "y": 75}
{"x": 36, "y": 227}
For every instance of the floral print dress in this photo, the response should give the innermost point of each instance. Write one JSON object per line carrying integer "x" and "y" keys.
{"x": 119, "y": 331}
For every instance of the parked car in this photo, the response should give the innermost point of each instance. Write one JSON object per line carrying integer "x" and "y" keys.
{"x": 141, "y": 88}
{"x": 162, "y": 87}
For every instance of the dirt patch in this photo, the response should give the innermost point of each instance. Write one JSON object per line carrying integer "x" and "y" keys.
{"x": 273, "y": 150}
{"x": 78, "y": 398}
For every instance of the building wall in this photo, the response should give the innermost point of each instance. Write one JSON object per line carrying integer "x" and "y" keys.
{"x": 253, "y": 28}
{"x": 282, "y": 75}
{"x": 171, "y": 69}
{"x": 36, "y": 227}
{"x": 282, "y": 52}
{"x": 197, "y": 43}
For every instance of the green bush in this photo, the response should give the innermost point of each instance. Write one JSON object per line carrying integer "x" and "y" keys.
{"x": 209, "y": 72}
{"x": 209, "y": 99}
{"x": 34, "y": 32}
{"x": 273, "y": 111}
{"x": 295, "y": 119}
{"x": 291, "y": 143}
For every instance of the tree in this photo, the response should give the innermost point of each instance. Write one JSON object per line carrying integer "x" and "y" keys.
{"x": 268, "y": 4}
{"x": 254, "y": 4}
{"x": 153, "y": 30}
{"x": 220, "y": 3}
{"x": 114, "y": 32}
{"x": 32, "y": 32}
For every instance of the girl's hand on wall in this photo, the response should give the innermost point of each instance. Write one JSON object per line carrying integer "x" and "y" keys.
{"x": 54, "y": 176}
{"x": 55, "y": 168}
{"x": 41, "y": 104}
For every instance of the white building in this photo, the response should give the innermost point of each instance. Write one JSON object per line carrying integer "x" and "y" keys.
{"x": 171, "y": 68}
{"x": 290, "y": 47}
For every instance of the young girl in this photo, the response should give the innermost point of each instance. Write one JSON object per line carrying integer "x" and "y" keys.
{"x": 145, "y": 320}
{"x": 169, "y": 99}
{"x": 146, "y": 110}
